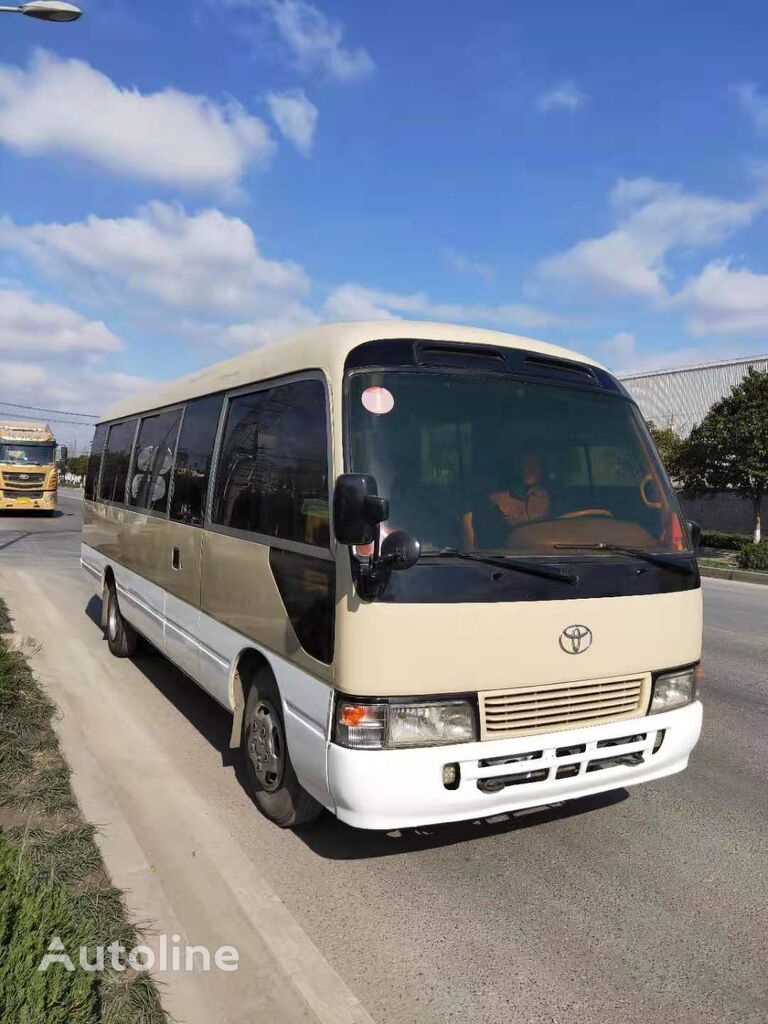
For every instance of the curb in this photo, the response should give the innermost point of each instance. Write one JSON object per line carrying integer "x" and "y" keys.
{"x": 739, "y": 575}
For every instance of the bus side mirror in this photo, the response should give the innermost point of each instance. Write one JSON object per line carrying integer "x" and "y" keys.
{"x": 357, "y": 509}
{"x": 694, "y": 529}
{"x": 400, "y": 550}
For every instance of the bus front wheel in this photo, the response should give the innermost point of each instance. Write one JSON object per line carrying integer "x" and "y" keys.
{"x": 270, "y": 777}
{"x": 121, "y": 636}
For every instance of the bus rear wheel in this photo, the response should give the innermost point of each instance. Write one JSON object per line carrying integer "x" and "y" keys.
{"x": 121, "y": 636}
{"x": 269, "y": 774}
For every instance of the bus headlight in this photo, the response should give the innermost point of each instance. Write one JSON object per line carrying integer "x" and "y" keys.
{"x": 395, "y": 725}
{"x": 674, "y": 690}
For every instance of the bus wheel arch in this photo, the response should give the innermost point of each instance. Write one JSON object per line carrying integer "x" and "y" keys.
{"x": 267, "y": 770}
{"x": 107, "y": 581}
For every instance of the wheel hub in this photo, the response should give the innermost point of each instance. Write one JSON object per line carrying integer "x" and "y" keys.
{"x": 266, "y": 748}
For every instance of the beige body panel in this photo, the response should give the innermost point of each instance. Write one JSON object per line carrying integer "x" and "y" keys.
{"x": 230, "y": 579}
{"x": 389, "y": 649}
{"x": 239, "y": 589}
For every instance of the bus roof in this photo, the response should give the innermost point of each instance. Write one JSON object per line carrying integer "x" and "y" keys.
{"x": 326, "y": 348}
{"x": 23, "y": 430}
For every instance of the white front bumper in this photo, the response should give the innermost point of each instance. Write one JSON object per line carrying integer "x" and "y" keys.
{"x": 387, "y": 789}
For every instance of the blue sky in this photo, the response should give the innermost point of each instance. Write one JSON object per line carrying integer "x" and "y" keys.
{"x": 182, "y": 181}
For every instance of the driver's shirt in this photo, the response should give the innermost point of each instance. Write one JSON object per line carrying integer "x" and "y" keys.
{"x": 495, "y": 514}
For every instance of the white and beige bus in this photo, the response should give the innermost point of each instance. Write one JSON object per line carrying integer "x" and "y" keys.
{"x": 434, "y": 573}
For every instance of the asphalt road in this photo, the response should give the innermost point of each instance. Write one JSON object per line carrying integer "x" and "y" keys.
{"x": 644, "y": 906}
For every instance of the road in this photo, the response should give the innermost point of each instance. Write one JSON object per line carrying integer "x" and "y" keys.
{"x": 645, "y": 906}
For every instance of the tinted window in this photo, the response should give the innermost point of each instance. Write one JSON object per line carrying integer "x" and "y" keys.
{"x": 116, "y": 458}
{"x": 193, "y": 460}
{"x": 153, "y": 461}
{"x": 273, "y": 469}
{"x": 94, "y": 462}
{"x": 502, "y": 465}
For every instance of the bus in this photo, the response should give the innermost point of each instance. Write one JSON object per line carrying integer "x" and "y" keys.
{"x": 434, "y": 573}
{"x": 28, "y": 475}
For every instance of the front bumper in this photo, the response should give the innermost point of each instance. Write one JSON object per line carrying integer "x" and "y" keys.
{"x": 19, "y": 501}
{"x": 387, "y": 789}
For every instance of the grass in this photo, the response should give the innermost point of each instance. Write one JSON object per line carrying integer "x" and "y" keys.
{"x": 52, "y": 880}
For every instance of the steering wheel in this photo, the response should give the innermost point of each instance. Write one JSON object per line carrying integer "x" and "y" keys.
{"x": 648, "y": 479}
{"x": 591, "y": 513}
{"x": 598, "y": 513}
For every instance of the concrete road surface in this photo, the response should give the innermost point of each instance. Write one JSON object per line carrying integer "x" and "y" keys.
{"x": 644, "y": 906}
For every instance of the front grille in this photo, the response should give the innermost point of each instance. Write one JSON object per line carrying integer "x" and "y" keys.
{"x": 23, "y": 479}
{"x": 30, "y": 495}
{"x": 529, "y": 710}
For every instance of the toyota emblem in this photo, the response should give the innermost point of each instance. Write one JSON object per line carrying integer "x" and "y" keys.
{"x": 576, "y": 639}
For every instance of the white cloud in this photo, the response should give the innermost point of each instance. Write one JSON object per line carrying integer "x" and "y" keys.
{"x": 24, "y": 375}
{"x": 316, "y": 41}
{"x": 653, "y": 219}
{"x": 619, "y": 351}
{"x": 171, "y": 137}
{"x": 355, "y": 302}
{"x": 463, "y": 264}
{"x": 242, "y": 336}
{"x": 206, "y": 262}
{"x": 622, "y": 354}
{"x": 722, "y": 300}
{"x": 28, "y": 325}
{"x": 563, "y": 95}
{"x": 754, "y": 103}
{"x": 295, "y": 117}
{"x": 70, "y": 388}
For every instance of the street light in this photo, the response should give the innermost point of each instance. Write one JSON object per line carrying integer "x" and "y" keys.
{"x": 46, "y": 10}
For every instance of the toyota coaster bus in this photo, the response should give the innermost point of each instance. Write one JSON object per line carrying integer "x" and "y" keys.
{"x": 28, "y": 476}
{"x": 434, "y": 573}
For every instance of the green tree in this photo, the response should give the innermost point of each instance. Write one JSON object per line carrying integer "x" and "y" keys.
{"x": 669, "y": 445}
{"x": 77, "y": 465}
{"x": 728, "y": 450}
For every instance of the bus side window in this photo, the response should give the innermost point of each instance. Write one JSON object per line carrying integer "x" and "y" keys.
{"x": 193, "y": 460}
{"x": 117, "y": 454}
{"x": 272, "y": 476}
{"x": 94, "y": 462}
{"x": 153, "y": 460}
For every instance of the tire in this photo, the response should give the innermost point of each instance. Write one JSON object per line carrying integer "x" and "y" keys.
{"x": 269, "y": 775}
{"x": 121, "y": 636}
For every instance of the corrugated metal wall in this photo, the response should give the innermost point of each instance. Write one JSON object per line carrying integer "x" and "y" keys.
{"x": 681, "y": 398}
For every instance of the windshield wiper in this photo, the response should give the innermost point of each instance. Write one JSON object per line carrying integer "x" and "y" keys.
{"x": 666, "y": 563}
{"x": 503, "y": 562}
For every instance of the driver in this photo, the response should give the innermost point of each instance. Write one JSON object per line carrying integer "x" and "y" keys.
{"x": 496, "y": 511}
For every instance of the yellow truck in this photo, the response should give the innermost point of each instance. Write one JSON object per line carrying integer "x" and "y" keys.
{"x": 28, "y": 476}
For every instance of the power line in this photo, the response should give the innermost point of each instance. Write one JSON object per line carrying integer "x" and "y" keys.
{"x": 39, "y": 408}
{"x": 72, "y": 423}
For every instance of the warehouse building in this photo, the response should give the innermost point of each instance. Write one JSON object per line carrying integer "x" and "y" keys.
{"x": 678, "y": 399}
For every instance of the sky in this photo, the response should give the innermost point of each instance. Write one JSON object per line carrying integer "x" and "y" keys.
{"x": 181, "y": 181}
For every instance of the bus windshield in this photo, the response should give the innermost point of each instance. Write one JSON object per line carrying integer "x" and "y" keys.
{"x": 511, "y": 467}
{"x": 27, "y": 454}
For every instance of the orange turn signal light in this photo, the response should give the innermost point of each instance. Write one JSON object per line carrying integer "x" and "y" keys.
{"x": 353, "y": 714}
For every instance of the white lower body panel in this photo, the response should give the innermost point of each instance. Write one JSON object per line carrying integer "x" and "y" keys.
{"x": 208, "y": 652}
{"x": 386, "y": 789}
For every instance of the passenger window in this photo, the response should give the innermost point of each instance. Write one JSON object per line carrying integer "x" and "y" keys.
{"x": 155, "y": 447}
{"x": 272, "y": 476}
{"x": 193, "y": 460}
{"x": 117, "y": 455}
{"x": 94, "y": 461}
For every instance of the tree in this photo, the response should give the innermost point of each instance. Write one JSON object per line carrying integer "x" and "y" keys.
{"x": 77, "y": 465}
{"x": 728, "y": 450}
{"x": 668, "y": 444}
